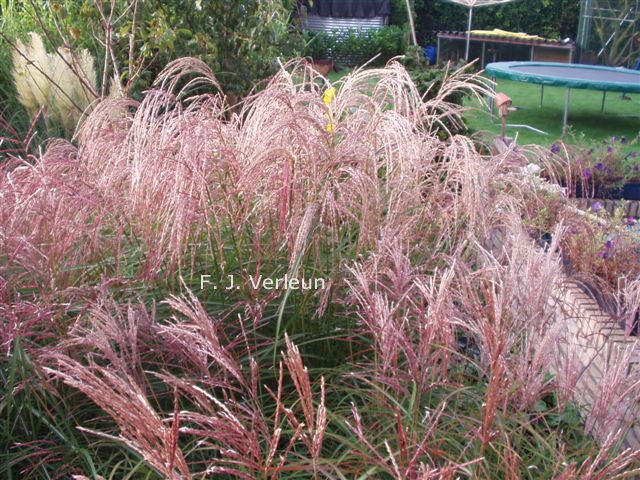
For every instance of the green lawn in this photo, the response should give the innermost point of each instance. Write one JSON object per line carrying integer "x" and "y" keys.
{"x": 585, "y": 117}
{"x": 335, "y": 76}
{"x": 586, "y": 120}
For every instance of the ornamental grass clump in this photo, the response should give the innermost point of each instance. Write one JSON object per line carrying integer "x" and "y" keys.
{"x": 61, "y": 83}
{"x": 145, "y": 249}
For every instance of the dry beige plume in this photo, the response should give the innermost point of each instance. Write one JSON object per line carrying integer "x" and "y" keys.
{"x": 29, "y": 61}
{"x": 47, "y": 80}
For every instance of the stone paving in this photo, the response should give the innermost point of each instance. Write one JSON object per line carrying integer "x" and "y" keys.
{"x": 594, "y": 337}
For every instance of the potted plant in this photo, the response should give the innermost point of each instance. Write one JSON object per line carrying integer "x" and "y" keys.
{"x": 631, "y": 187}
{"x": 602, "y": 252}
{"x": 543, "y": 206}
{"x": 318, "y": 51}
{"x": 608, "y": 170}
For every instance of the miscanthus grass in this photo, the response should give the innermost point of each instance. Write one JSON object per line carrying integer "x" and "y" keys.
{"x": 425, "y": 356}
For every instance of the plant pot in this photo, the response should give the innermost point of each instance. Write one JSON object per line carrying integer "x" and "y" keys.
{"x": 323, "y": 67}
{"x": 631, "y": 191}
{"x": 599, "y": 191}
{"x": 612, "y": 187}
{"x": 587, "y": 190}
{"x": 613, "y": 193}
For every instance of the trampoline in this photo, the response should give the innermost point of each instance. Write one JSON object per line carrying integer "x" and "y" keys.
{"x": 591, "y": 77}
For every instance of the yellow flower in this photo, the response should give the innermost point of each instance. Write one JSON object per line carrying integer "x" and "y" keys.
{"x": 330, "y": 127}
{"x": 329, "y": 95}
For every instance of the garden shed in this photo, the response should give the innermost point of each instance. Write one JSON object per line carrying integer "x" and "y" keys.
{"x": 350, "y": 32}
{"x": 333, "y": 16}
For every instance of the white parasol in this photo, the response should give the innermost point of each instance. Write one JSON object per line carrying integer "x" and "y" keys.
{"x": 473, "y": 4}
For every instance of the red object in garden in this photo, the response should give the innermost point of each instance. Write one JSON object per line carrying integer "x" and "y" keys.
{"x": 323, "y": 67}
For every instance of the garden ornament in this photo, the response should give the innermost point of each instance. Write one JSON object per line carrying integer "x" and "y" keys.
{"x": 503, "y": 103}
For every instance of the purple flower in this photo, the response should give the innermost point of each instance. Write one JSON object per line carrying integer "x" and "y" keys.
{"x": 599, "y": 166}
{"x": 555, "y": 148}
{"x": 596, "y": 207}
{"x": 609, "y": 149}
{"x": 608, "y": 244}
{"x": 629, "y": 221}
{"x": 587, "y": 173}
{"x": 633, "y": 154}
{"x": 623, "y": 140}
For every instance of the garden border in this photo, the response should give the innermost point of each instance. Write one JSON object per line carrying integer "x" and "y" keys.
{"x": 595, "y": 335}
{"x": 592, "y": 333}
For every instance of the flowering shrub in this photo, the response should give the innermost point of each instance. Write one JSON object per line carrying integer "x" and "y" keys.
{"x": 595, "y": 169}
{"x": 607, "y": 249}
{"x": 603, "y": 252}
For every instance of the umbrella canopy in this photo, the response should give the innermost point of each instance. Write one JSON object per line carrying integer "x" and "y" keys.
{"x": 473, "y": 4}
{"x": 478, "y": 3}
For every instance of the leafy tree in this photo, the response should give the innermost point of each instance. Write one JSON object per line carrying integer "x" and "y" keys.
{"x": 240, "y": 40}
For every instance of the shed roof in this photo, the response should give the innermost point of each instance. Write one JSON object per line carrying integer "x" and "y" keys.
{"x": 478, "y": 3}
{"x": 348, "y": 8}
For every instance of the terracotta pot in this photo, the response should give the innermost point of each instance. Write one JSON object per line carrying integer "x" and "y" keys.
{"x": 323, "y": 67}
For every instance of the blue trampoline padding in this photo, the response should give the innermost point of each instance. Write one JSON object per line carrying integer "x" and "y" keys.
{"x": 570, "y": 75}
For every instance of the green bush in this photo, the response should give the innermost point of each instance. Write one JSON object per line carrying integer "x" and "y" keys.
{"x": 356, "y": 46}
{"x": 388, "y": 41}
{"x": 240, "y": 40}
{"x": 319, "y": 45}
